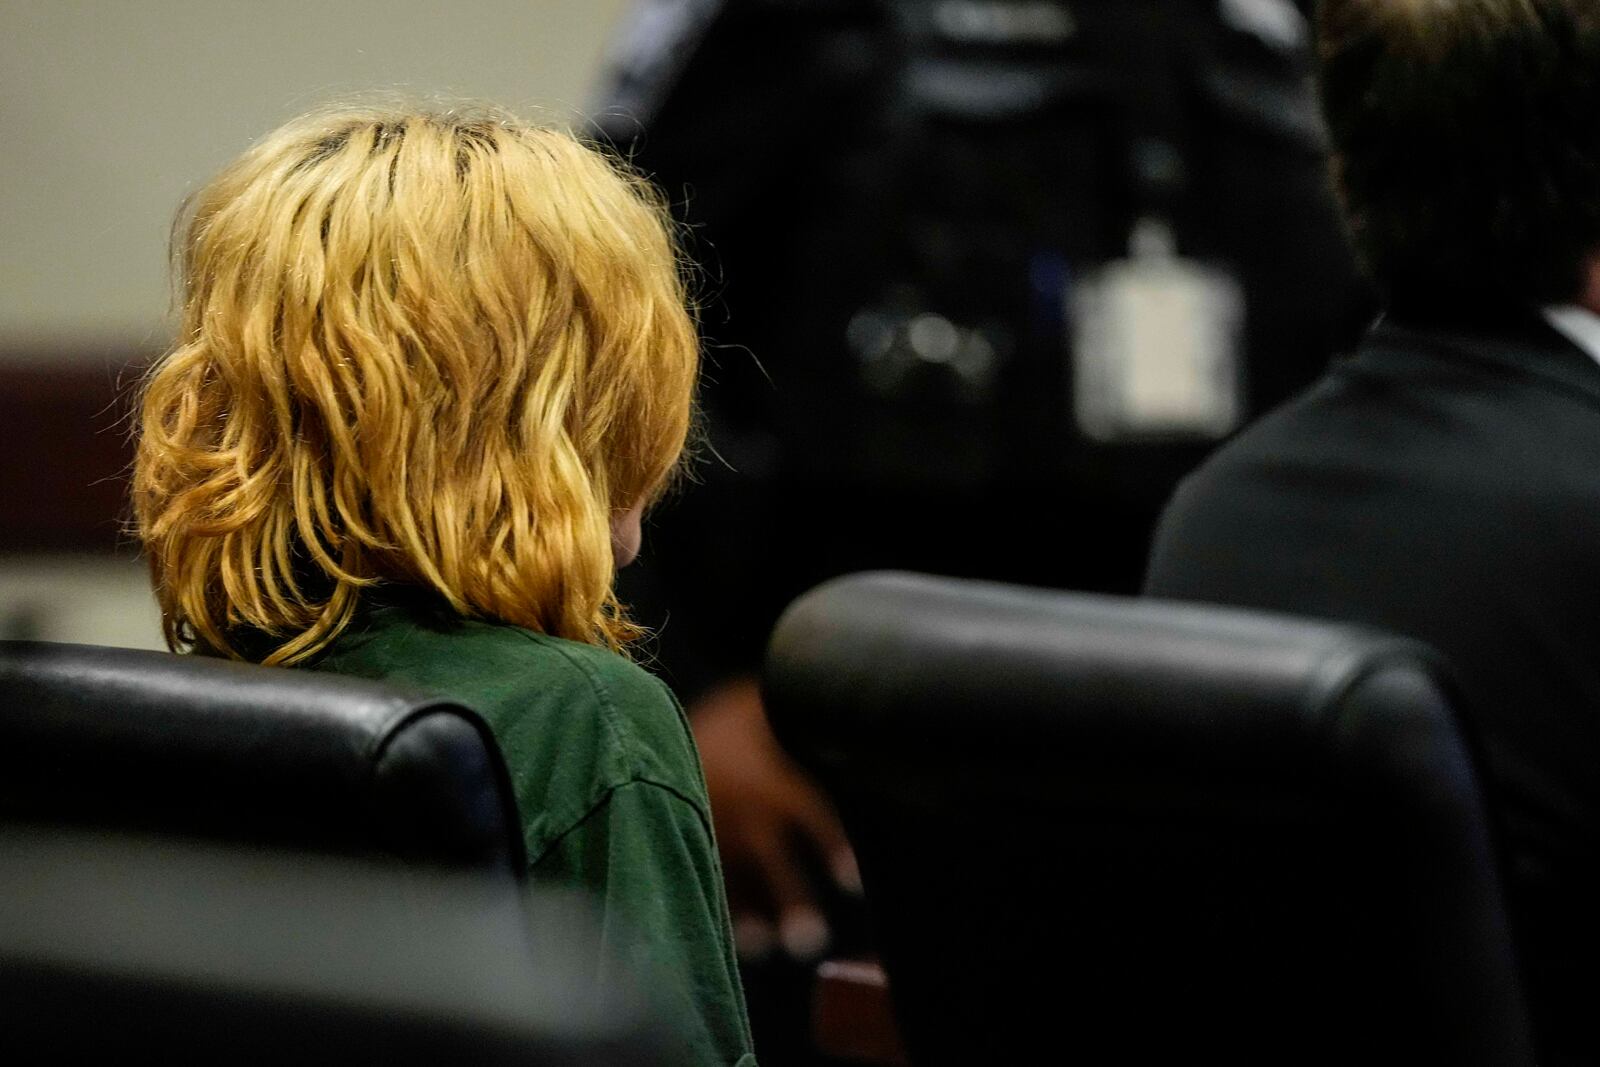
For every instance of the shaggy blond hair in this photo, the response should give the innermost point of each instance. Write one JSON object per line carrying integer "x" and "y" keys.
{"x": 433, "y": 348}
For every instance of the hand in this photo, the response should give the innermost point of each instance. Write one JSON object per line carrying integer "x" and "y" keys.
{"x": 772, "y": 823}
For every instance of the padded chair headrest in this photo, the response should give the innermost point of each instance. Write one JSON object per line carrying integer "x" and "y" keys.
{"x": 139, "y": 740}
{"x": 888, "y": 664}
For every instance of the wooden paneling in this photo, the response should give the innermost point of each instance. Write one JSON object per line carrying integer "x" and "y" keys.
{"x": 65, "y": 434}
{"x": 851, "y": 1019}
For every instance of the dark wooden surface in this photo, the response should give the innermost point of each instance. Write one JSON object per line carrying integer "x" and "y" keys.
{"x": 851, "y": 1017}
{"x": 65, "y": 432}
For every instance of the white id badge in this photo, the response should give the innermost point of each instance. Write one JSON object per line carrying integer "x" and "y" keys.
{"x": 1156, "y": 345}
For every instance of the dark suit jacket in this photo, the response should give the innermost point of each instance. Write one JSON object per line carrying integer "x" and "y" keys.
{"x": 1445, "y": 483}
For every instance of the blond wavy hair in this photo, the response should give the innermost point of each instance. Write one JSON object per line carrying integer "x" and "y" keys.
{"x": 435, "y": 348}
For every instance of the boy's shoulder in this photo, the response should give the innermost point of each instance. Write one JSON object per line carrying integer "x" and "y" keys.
{"x": 544, "y": 696}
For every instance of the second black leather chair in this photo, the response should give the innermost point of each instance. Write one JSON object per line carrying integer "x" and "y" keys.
{"x": 146, "y": 949}
{"x": 1116, "y": 831}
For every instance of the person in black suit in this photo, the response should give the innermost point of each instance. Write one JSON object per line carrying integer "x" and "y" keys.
{"x": 1444, "y": 482}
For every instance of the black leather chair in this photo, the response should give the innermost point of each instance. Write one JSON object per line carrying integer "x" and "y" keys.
{"x": 1112, "y": 831}
{"x": 129, "y": 949}
{"x": 146, "y": 741}
{"x": 204, "y": 861}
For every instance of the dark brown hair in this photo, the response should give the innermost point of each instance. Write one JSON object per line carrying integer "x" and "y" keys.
{"x": 1467, "y": 142}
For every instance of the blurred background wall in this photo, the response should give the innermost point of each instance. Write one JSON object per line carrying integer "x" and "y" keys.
{"x": 111, "y": 111}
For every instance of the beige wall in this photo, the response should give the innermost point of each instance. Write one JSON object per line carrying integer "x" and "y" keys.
{"x": 111, "y": 110}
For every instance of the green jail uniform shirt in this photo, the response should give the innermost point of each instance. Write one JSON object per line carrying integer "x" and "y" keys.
{"x": 609, "y": 785}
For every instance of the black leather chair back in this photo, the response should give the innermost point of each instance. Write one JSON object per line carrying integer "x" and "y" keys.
{"x": 128, "y": 949}
{"x": 136, "y": 740}
{"x": 1120, "y": 831}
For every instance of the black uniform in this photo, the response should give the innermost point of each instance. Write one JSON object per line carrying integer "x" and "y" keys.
{"x": 892, "y": 204}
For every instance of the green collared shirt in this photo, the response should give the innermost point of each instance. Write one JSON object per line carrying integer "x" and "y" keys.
{"x": 609, "y": 785}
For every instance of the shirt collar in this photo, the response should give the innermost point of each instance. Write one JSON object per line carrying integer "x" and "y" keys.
{"x": 1578, "y": 325}
{"x": 1525, "y": 345}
